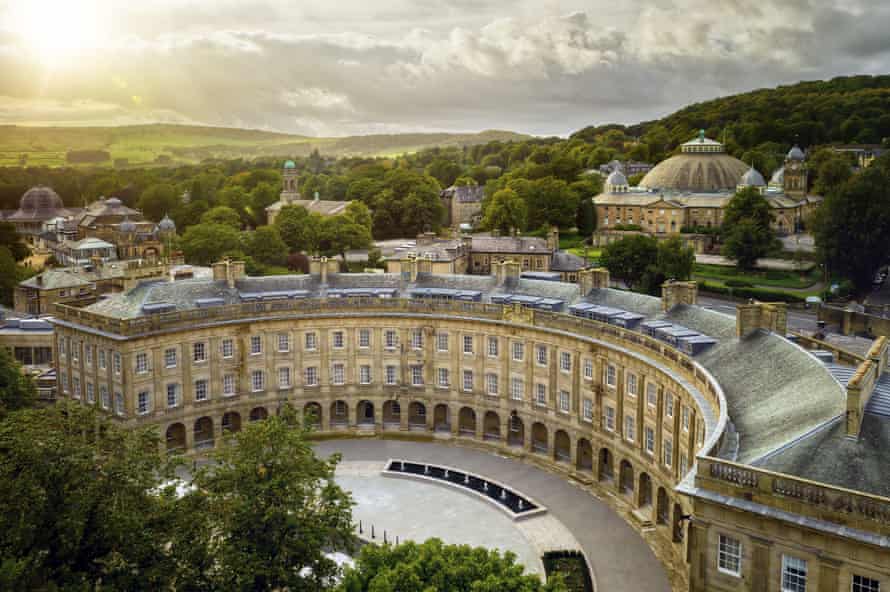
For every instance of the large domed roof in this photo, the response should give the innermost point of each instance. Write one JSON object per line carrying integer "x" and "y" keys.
{"x": 702, "y": 167}
{"x": 39, "y": 203}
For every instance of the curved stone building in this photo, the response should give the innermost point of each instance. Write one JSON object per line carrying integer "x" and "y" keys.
{"x": 703, "y": 430}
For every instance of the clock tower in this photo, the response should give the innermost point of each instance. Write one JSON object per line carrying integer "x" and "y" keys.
{"x": 795, "y": 175}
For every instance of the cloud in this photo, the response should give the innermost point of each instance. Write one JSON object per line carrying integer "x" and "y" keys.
{"x": 357, "y": 67}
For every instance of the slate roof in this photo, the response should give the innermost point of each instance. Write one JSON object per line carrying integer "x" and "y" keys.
{"x": 55, "y": 279}
{"x": 509, "y": 244}
{"x": 565, "y": 261}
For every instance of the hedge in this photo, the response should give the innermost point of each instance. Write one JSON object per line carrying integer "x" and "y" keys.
{"x": 762, "y": 294}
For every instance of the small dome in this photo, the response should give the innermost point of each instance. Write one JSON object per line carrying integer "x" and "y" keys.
{"x": 166, "y": 224}
{"x": 41, "y": 199}
{"x": 127, "y": 226}
{"x": 796, "y": 153}
{"x": 752, "y": 178}
{"x": 778, "y": 177}
{"x": 616, "y": 177}
{"x": 289, "y": 164}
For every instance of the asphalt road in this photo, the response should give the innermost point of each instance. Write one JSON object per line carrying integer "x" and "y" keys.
{"x": 798, "y": 319}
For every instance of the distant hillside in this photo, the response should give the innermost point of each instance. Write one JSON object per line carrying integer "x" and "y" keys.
{"x": 854, "y": 109}
{"x": 147, "y": 144}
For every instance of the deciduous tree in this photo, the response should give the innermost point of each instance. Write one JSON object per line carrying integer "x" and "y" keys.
{"x": 747, "y": 235}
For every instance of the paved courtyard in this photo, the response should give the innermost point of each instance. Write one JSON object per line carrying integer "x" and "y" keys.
{"x": 621, "y": 559}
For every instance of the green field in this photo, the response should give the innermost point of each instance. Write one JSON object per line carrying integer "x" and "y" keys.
{"x": 772, "y": 278}
{"x": 143, "y": 144}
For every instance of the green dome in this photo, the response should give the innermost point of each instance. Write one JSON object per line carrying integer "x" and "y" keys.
{"x": 289, "y": 164}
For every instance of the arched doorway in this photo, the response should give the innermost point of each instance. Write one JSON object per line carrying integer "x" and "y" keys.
{"x": 392, "y": 414}
{"x": 339, "y": 414}
{"x": 231, "y": 422}
{"x": 491, "y": 426}
{"x": 175, "y": 437}
{"x": 584, "y": 452}
{"x": 417, "y": 415}
{"x": 539, "y": 438}
{"x": 311, "y": 415}
{"x": 260, "y": 413}
{"x": 365, "y": 413}
{"x": 515, "y": 431}
{"x": 661, "y": 507}
{"x": 441, "y": 418}
{"x": 203, "y": 433}
{"x": 466, "y": 422}
{"x": 644, "y": 491}
{"x": 606, "y": 465}
{"x": 562, "y": 447}
{"x": 626, "y": 478}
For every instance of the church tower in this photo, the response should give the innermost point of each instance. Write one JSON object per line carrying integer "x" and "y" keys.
{"x": 795, "y": 174}
{"x": 289, "y": 191}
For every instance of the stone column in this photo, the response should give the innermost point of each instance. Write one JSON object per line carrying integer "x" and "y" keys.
{"x": 829, "y": 571}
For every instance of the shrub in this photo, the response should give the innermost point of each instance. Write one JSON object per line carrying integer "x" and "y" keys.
{"x": 735, "y": 283}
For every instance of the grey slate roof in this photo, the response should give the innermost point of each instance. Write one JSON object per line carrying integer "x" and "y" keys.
{"x": 509, "y": 244}
{"x": 565, "y": 261}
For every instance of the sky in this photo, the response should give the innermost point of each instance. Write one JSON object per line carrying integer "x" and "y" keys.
{"x": 345, "y": 67}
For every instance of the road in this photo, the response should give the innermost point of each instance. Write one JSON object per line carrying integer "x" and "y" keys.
{"x": 798, "y": 319}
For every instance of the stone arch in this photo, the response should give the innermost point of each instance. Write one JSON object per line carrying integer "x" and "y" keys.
{"x": 466, "y": 421}
{"x": 175, "y": 437}
{"x": 491, "y": 426}
{"x": 584, "y": 454}
{"x": 417, "y": 415}
{"x": 231, "y": 422}
{"x": 626, "y": 477}
{"x": 392, "y": 414}
{"x": 540, "y": 440}
{"x": 606, "y": 465}
{"x": 364, "y": 413}
{"x": 677, "y": 524}
{"x": 441, "y": 418}
{"x": 311, "y": 414}
{"x": 562, "y": 447}
{"x": 339, "y": 415}
{"x": 203, "y": 433}
{"x": 644, "y": 491}
{"x": 515, "y": 430}
{"x": 661, "y": 507}
{"x": 260, "y": 413}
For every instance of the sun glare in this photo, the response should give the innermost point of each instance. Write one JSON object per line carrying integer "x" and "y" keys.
{"x": 55, "y": 31}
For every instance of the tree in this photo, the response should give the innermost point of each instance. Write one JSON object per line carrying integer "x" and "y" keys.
{"x": 262, "y": 196}
{"x": 272, "y": 512}
{"x": 158, "y": 201}
{"x": 265, "y": 245}
{"x": 444, "y": 171}
{"x": 832, "y": 174}
{"x": 11, "y": 239}
{"x": 339, "y": 234}
{"x": 675, "y": 261}
{"x": 222, "y": 215}
{"x": 203, "y": 244}
{"x": 852, "y": 225}
{"x": 295, "y": 227}
{"x": 505, "y": 212}
{"x": 358, "y": 213}
{"x": 434, "y": 565}
{"x": 586, "y": 220}
{"x": 408, "y": 205}
{"x": 628, "y": 259}
{"x": 9, "y": 276}
{"x": 747, "y": 235}
{"x": 551, "y": 203}
{"x": 16, "y": 389}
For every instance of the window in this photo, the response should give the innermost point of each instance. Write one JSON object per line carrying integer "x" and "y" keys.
{"x": 565, "y": 361}
{"x": 310, "y": 341}
{"x": 794, "y": 574}
{"x": 364, "y": 338}
{"x": 143, "y": 403}
{"x": 587, "y": 409}
{"x": 338, "y": 341}
{"x": 390, "y": 339}
{"x": 651, "y": 394}
{"x": 75, "y": 348}
{"x": 491, "y": 385}
{"x": 170, "y": 357}
{"x": 684, "y": 418}
{"x": 104, "y": 397}
{"x": 518, "y": 351}
{"x": 310, "y": 376}
{"x": 364, "y": 374}
{"x": 864, "y": 584}
{"x": 468, "y": 344}
{"x": 91, "y": 394}
{"x": 228, "y": 348}
{"x": 417, "y": 375}
{"x": 683, "y": 465}
{"x": 442, "y": 341}
{"x": 468, "y": 380}
{"x": 283, "y": 342}
{"x": 611, "y": 375}
{"x": 257, "y": 380}
{"x": 609, "y": 418}
{"x": 630, "y": 426}
{"x": 649, "y": 438}
{"x": 564, "y": 401}
{"x": 493, "y": 347}
{"x": 256, "y": 345}
{"x": 199, "y": 352}
{"x": 391, "y": 375}
{"x": 338, "y": 374}
{"x": 442, "y": 377}
{"x": 632, "y": 385}
{"x": 228, "y": 385}
{"x": 541, "y": 355}
{"x": 101, "y": 357}
{"x": 119, "y": 404}
{"x": 284, "y": 377}
{"x": 417, "y": 339}
{"x": 75, "y": 385}
{"x": 588, "y": 369}
{"x": 141, "y": 363}
{"x": 541, "y": 394}
{"x": 61, "y": 347}
{"x": 668, "y": 452}
{"x": 668, "y": 405}
{"x": 517, "y": 389}
{"x": 201, "y": 390}
{"x": 88, "y": 354}
{"x": 117, "y": 362}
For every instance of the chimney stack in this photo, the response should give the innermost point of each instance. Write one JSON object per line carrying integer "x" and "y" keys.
{"x": 771, "y": 316}
{"x": 674, "y": 293}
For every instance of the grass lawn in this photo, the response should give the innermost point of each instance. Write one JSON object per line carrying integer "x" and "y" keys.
{"x": 768, "y": 278}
